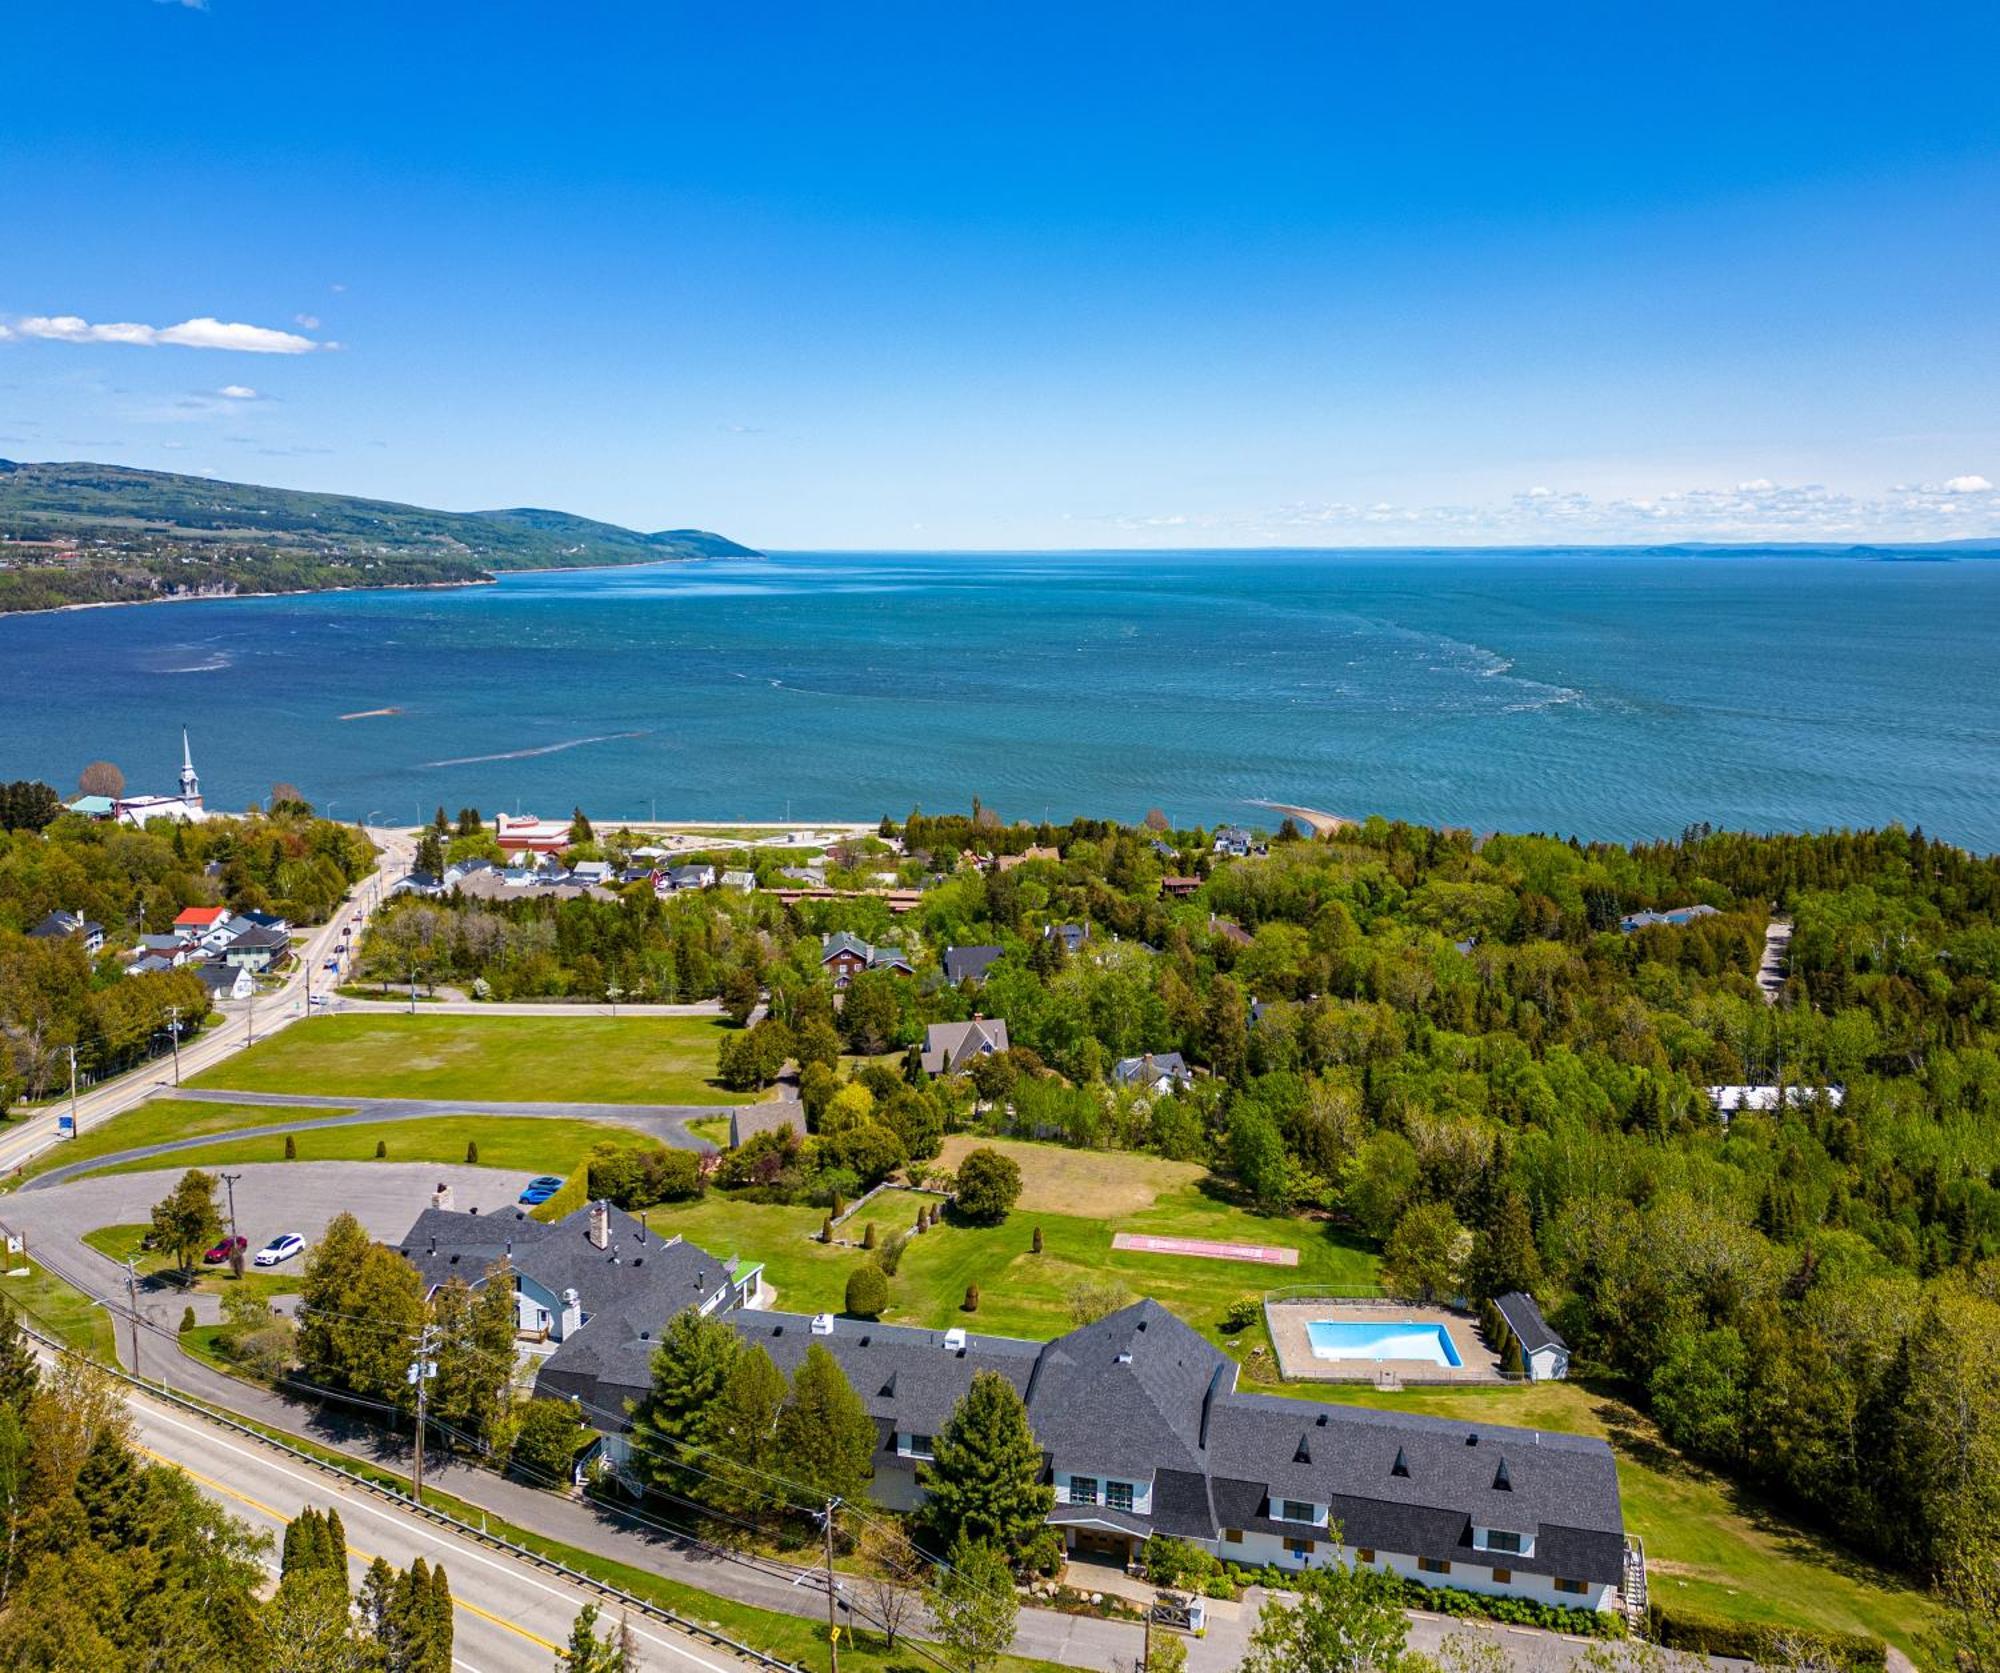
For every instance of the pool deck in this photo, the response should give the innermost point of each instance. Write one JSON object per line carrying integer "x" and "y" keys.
{"x": 1298, "y": 1363}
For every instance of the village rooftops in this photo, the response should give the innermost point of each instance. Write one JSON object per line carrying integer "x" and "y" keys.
{"x": 1153, "y": 1069}
{"x": 962, "y": 964}
{"x": 1678, "y": 917}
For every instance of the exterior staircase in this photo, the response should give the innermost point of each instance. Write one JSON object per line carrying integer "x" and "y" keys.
{"x": 1633, "y": 1591}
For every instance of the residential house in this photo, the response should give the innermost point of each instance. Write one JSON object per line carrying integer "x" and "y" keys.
{"x": 743, "y": 882}
{"x": 1231, "y": 931}
{"x": 1072, "y": 936}
{"x": 420, "y": 883}
{"x": 1678, "y": 917}
{"x": 1179, "y": 888}
{"x": 1143, "y": 1431}
{"x": 1544, "y": 1354}
{"x": 256, "y": 949}
{"x": 746, "y": 1121}
{"x": 950, "y": 1048}
{"x": 595, "y": 1283}
{"x": 1729, "y": 1100}
{"x": 209, "y": 927}
{"x": 968, "y": 964}
{"x": 844, "y": 956}
{"x": 1156, "y": 1072}
{"x": 1232, "y": 842}
{"x": 150, "y": 964}
{"x": 265, "y": 920}
{"x": 690, "y": 877}
{"x": 227, "y": 981}
{"x": 591, "y": 873}
{"x": 1007, "y": 862}
{"x": 61, "y": 926}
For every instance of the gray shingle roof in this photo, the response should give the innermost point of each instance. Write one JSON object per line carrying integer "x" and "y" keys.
{"x": 1525, "y": 1320}
{"x": 1128, "y": 1393}
{"x": 1143, "y": 1071}
{"x": 949, "y": 1046}
{"x": 964, "y": 963}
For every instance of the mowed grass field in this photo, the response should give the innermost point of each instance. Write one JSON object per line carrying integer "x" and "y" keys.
{"x": 1711, "y": 1548}
{"x": 161, "y": 1121}
{"x": 584, "y": 1060}
{"x": 1079, "y": 1199}
{"x": 530, "y": 1143}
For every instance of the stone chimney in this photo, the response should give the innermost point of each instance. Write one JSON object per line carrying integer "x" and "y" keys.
{"x": 441, "y": 1197}
{"x": 600, "y": 1224}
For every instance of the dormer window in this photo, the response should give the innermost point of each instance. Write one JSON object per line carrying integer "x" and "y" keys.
{"x": 1502, "y": 1540}
{"x": 1297, "y": 1510}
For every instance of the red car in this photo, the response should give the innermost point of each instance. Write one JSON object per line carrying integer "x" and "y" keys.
{"x": 227, "y": 1247}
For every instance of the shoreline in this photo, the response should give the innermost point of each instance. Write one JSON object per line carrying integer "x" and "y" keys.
{"x": 1320, "y": 822}
{"x": 231, "y": 598}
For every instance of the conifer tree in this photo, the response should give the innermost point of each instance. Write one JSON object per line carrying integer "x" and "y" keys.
{"x": 825, "y": 1438}
{"x": 984, "y": 1482}
{"x": 740, "y": 1432}
{"x": 19, "y": 1375}
{"x": 690, "y": 1368}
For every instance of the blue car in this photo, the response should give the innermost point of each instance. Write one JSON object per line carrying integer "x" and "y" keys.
{"x": 540, "y": 1190}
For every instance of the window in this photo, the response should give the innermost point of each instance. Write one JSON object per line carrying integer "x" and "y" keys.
{"x": 1118, "y": 1495}
{"x": 1232, "y": 1536}
{"x": 1294, "y": 1510}
{"x": 1083, "y": 1489}
{"x": 1576, "y": 1588}
{"x": 1364, "y": 1553}
{"x": 1503, "y": 1576}
{"x": 1499, "y": 1539}
{"x": 918, "y": 1446}
{"x": 1298, "y": 1547}
{"x": 1433, "y": 1565}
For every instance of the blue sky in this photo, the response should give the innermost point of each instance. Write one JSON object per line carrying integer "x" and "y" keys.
{"x": 979, "y": 275}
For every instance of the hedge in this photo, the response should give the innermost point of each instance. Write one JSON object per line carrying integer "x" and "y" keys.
{"x": 1675, "y": 1629}
{"x": 574, "y": 1194}
{"x": 1453, "y": 1600}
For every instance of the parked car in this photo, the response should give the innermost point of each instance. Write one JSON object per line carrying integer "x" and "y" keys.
{"x": 540, "y": 1190}
{"x": 223, "y": 1250}
{"x": 281, "y": 1248}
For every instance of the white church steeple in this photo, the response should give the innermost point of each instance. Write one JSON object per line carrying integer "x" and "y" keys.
{"x": 190, "y": 783}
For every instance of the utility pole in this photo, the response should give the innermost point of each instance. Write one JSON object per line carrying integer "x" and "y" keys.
{"x": 132, "y": 1296}
{"x": 422, "y": 1369}
{"x": 174, "y": 1034}
{"x": 72, "y": 1092}
{"x": 250, "y": 1019}
{"x": 229, "y": 1180}
{"x": 614, "y": 993}
{"x": 413, "y": 990}
{"x": 832, "y": 1620}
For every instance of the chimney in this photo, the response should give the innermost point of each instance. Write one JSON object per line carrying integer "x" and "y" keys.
{"x": 642, "y": 1225}
{"x": 600, "y": 1224}
{"x": 441, "y": 1197}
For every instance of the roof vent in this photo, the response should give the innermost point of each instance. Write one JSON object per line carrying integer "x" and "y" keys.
{"x": 1472, "y": 1439}
{"x": 1502, "y": 1481}
{"x": 638, "y": 1260}
{"x": 1320, "y": 1421}
{"x": 822, "y": 1324}
{"x": 1401, "y": 1466}
{"x": 954, "y": 1340}
{"x": 645, "y": 1336}
{"x": 864, "y": 1341}
{"x": 474, "y": 1209}
{"x": 1125, "y": 1357}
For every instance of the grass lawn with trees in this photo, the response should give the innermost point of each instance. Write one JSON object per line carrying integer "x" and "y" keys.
{"x": 585, "y": 1060}
{"x": 531, "y": 1143}
{"x": 161, "y": 1121}
{"x": 120, "y": 1242}
{"x": 60, "y": 1310}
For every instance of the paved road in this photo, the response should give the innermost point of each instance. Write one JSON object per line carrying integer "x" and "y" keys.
{"x": 242, "y": 1024}
{"x": 510, "y": 1617}
{"x": 666, "y": 1122}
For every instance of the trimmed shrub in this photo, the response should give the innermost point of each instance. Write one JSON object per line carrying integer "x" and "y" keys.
{"x": 1510, "y": 1357}
{"x": 971, "y": 1302}
{"x": 867, "y": 1292}
{"x": 291, "y": 1148}
{"x": 1675, "y": 1629}
{"x": 890, "y": 1255}
{"x": 1241, "y": 1314}
{"x": 381, "y": 1149}
{"x": 868, "y": 1235}
{"x": 988, "y": 1185}
{"x": 472, "y": 1153}
{"x": 1035, "y": 1247}
{"x": 187, "y": 1318}
{"x": 826, "y": 1229}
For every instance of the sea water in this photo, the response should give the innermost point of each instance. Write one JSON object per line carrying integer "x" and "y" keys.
{"x": 1603, "y": 695}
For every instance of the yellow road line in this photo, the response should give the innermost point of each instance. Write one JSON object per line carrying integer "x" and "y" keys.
{"x": 354, "y": 1551}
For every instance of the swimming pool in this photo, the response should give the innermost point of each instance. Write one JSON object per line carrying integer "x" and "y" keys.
{"x": 1391, "y": 1339}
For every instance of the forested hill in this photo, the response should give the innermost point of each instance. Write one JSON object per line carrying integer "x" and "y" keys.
{"x": 89, "y": 533}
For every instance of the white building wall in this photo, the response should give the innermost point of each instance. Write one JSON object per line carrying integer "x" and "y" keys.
{"x": 1548, "y": 1364}
{"x": 1142, "y": 1491}
{"x": 1469, "y": 1575}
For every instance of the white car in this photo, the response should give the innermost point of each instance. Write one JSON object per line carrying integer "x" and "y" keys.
{"x": 279, "y": 1249}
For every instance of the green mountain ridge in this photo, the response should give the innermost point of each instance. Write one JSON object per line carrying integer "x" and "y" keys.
{"x": 117, "y": 507}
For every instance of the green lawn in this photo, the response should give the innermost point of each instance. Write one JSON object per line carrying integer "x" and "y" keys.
{"x": 1021, "y": 1293}
{"x": 60, "y": 1310}
{"x": 532, "y": 1143}
{"x": 158, "y": 1122}
{"x": 589, "y": 1060}
{"x": 713, "y": 1128}
{"x": 1710, "y": 1547}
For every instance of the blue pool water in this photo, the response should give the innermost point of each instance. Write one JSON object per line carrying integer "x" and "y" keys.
{"x": 1392, "y": 1339}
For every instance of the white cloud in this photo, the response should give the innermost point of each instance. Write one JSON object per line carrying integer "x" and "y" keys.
{"x": 185, "y": 5}
{"x": 203, "y": 333}
{"x": 1967, "y": 485}
{"x": 307, "y": 322}
{"x": 237, "y": 392}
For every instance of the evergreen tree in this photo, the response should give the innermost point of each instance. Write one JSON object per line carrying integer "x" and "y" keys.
{"x": 186, "y": 1220}
{"x": 19, "y": 1375}
{"x": 579, "y": 828}
{"x": 1346, "y": 1621}
{"x": 984, "y": 1482}
{"x": 741, "y": 1430}
{"x": 1504, "y": 1258}
{"x": 587, "y": 1653}
{"x": 825, "y": 1438}
{"x": 691, "y": 1366}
